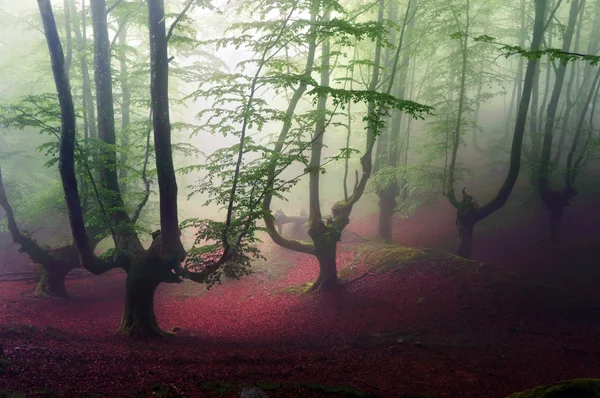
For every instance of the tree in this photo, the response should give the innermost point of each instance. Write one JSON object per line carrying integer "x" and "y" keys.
{"x": 161, "y": 262}
{"x": 326, "y": 233}
{"x": 469, "y": 213}
{"x": 555, "y": 200}
{"x": 390, "y": 179}
{"x": 54, "y": 263}
{"x": 284, "y": 58}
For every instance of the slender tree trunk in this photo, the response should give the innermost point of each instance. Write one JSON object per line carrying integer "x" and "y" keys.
{"x": 393, "y": 134}
{"x": 387, "y": 206}
{"x": 536, "y": 137}
{"x": 468, "y": 211}
{"x": 124, "y": 235}
{"x": 159, "y": 88}
{"x": 551, "y": 198}
{"x": 321, "y": 234}
{"x": 125, "y": 107}
{"x": 89, "y": 112}
{"x": 68, "y": 36}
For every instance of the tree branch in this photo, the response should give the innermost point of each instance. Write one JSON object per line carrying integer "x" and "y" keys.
{"x": 67, "y": 144}
{"x": 178, "y": 19}
{"x": 109, "y": 9}
{"x": 138, "y": 210}
{"x": 28, "y": 245}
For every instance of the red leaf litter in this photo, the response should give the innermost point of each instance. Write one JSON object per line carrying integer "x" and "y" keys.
{"x": 387, "y": 334}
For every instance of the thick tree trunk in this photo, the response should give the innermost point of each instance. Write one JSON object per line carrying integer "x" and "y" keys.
{"x": 326, "y": 253}
{"x": 52, "y": 281}
{"x": 465, "y": 237}
{"x": 143, "y": 277}
{"x": 138, "y": 317}
{"x": 387, "y": 205}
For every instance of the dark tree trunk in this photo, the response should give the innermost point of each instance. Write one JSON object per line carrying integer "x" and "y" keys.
{"x": 89, "y": 114}
{"x": 326, "y": 253}
{"x": 138, "y": 317}
{"x": 387, "y": 205}
{"x": 159, "y": 88}
{"x": 125, "y": 105}
{"x": 465, "y": 237}
{"x": 52, "y": 281}
{"x": 146, "y": 272}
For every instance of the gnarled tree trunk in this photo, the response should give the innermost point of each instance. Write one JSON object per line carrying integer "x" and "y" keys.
{"x": 325, "y": 239}
{"x": 146, "y": 272}
{"x": 52, "y": 280}
{"x": 138, "y": 317}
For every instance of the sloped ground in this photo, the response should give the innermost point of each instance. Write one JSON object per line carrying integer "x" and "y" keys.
{"x": 409, "y": 320}
{"x": 581, "y": 388}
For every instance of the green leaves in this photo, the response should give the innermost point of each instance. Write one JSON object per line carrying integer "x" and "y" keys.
{"x": 553, "y": 54}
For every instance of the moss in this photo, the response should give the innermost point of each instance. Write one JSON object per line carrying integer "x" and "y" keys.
{"x": 297, "y": 289}
{"x": 268, "y": 386}
{"x": 383, "y": 258}
{"x": 217, "y": 387}
{"x": 576, "y": 388}
{"x": 11, "y": 394}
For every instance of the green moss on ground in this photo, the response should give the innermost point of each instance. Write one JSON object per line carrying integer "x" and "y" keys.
{"x": 384, "y": 258}
{"x": 576, "y": 388}
{"x": 297, "y": 289}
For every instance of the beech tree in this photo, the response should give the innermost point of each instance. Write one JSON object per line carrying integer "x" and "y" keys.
{"x": 469, "y": 212}
{"x": 161, "y": 262}
{"x": 317, "y": 44}
{"x": 54, "y": 264}
{"x": 557, "y": 200}
{"x": 40, "y": 112}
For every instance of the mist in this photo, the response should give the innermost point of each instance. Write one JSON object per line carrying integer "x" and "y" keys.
{"x": 298, "y": 198}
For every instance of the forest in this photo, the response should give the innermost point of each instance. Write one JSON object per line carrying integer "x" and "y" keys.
{"x": 300, "y": 198}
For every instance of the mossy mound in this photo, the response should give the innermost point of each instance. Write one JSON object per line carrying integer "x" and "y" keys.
{"x": 576, "y": 388}
{"x": 384, "y": 258}
{"x": 499, "y": 283}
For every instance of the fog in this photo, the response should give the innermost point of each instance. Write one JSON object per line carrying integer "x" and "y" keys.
{"x": 299, "y": 198}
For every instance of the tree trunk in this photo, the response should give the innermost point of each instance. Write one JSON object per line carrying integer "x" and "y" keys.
{"x": 143, "y": 278}
{"x": 52, "y": 281}
{"x": 326, "y": 253}
{"x": 138, "y": 315}
{"x": 159, "y": 90}
{"x": 465, "y": 237}
{"x": 125, "y": 106}
{"x": 387, "y": 205}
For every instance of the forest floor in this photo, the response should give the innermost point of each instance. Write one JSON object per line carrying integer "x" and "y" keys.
{"x": 409, "y": 322}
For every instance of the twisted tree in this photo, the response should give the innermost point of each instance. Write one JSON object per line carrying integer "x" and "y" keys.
{"x": 161, "y": 262}
{"x": 54, "y": 264}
